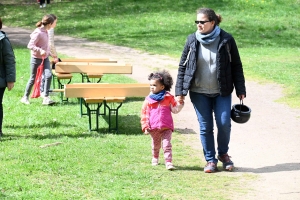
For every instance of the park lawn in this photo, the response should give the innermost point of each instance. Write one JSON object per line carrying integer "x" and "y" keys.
{"x": 94, "y": 165}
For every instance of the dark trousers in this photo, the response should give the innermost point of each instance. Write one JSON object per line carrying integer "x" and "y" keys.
{"x": 1, "y": 107}
{"x": 43, "y": 1}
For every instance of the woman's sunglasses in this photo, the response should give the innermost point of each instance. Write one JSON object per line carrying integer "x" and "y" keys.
{"x": 201, "y": 22}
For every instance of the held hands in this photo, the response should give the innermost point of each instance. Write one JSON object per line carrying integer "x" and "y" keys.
{"x": 180, "y": 99}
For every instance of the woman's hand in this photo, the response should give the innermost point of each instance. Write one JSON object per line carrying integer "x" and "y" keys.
{"x": 241, "y": 96}
{"x": 10, "y": 85}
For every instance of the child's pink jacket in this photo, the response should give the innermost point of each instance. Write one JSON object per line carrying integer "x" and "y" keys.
{"x": 38, "y": 42}
{"x": 158, "y": 114}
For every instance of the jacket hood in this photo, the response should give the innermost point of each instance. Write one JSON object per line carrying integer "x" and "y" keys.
{"x": 2, "y": 35}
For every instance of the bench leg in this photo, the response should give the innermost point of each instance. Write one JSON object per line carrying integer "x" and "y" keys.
{"x": 53, "y": 80}
{"x": 61, "y": 86}
{"x": 85, "y": 77}
{"x": 93, "y": 110}
{"x": 81, "y": 102}
{"x": 93, "y": 80}
{"x": 112, "y": 110}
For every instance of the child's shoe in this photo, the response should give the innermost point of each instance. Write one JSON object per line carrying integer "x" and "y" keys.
{"x": 48, "y": 101}
{"x": 154, "y": 161}
{"x": 25, "y": 100}
{"x": 169, "y": 166}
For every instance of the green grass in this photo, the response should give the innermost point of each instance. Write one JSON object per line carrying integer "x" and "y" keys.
{"x": 161, "y": 27}
{"x": 94, "y": 165}
{"x": 102, "y": 165}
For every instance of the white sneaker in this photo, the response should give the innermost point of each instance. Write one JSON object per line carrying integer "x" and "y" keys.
{"x": 154, "y": 161}
{"x": 48, "y": 101}
{"x": 169, "y": 166}
{"x": 44, "y": 5}
{"x": 25, "y": 100}
{"x": 42, "y": 95}
{"x": 41, "y": 6}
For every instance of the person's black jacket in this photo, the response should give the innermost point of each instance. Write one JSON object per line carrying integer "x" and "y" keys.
{"x": 7, "y": 61}
{"x": 229, "y": 66}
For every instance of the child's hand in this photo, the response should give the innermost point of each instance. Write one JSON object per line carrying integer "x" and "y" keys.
{"x": 181, "y": 102}
{"x": 43, "y": 52}
{"x": 146, "y": 132}
{"x": 180, "y": 99}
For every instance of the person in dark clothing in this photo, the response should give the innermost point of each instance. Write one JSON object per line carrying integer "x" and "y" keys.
{"x": 209, "y": 69}
{"x": 7, "y": 69}
{"x": 43, "y": 3}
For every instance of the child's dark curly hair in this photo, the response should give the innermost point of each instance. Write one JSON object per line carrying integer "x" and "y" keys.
{"x": 163, "y": 77}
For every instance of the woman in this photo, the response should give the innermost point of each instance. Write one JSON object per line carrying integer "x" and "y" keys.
{"x": 7, "y": 69}
{"x": 209, "y": 69}
{"x": 39, "y": 46}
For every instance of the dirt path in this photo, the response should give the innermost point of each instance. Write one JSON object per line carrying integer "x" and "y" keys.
{"x": 268, "y": 145}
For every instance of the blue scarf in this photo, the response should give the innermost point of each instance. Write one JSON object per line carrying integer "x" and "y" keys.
{"x": 208, "y": 38}
{"x": 159, "y": 96}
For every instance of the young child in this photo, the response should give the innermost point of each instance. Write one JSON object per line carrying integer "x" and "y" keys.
{"x": 39, "y": 46}
{"x": 53, "y": 52}
{"x": 156, "y": 117}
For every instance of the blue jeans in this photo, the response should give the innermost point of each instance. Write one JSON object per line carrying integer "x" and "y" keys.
{"x": 205, "y": 107}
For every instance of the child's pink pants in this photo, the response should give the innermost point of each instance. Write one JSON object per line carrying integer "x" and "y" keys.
{"x": 162, "y": 137}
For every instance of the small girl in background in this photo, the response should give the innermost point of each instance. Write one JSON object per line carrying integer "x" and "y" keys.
{"x": 156, "y": 116}
{"x": 39, "y": 46}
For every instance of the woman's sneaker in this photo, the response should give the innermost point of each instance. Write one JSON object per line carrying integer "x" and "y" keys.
{"x": 25, "y": 100}
{"x": 210, "y": 167}
{"x": 154, "y": 161}
{"x": 48, "y": 101}
{"x": 227, "y": 163}
{"x": 170, "y": 166}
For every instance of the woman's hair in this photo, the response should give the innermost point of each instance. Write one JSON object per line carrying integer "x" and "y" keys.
{"x": 0, "y": 23}
{"x": 163, "y": 77}
{"x": 54, "y": 16}
{"x": 47, "y": 19}
{"x": 212, "y": 16}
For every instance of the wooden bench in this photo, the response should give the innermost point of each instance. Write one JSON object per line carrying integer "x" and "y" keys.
{"x": 110, "y": 95}
{"x": 62, "y": 79}
{"x": 89, "y": 70}
{"x": 90, "y": 77}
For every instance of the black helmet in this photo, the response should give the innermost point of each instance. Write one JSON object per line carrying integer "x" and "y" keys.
{"x": 240, "y": 113}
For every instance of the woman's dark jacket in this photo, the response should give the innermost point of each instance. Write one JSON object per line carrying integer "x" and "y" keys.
{"x": 229, "y": 66}
{"x": 7, "y": 61}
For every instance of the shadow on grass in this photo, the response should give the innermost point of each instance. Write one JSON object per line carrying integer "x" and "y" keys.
{"x": 53, "y": 124}
{"x": 127, "y": 124}
{"x": 270, "y": 169}
{"x": 9, "y": 137}
{"x": 189, "y": 168}
{"x": 185, "y": 131}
